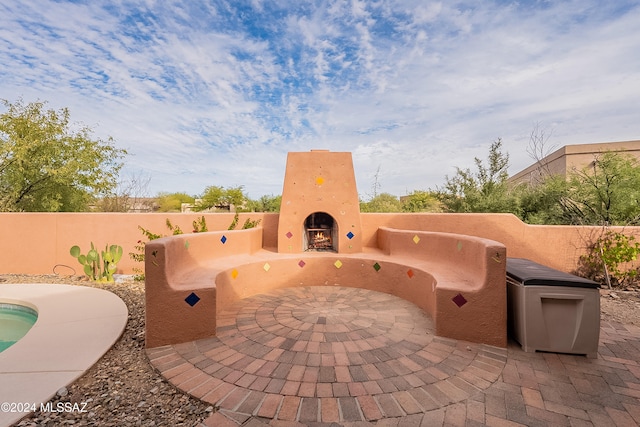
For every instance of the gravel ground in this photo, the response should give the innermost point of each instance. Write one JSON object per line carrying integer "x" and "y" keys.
{"x": 122, "y": 389}
{"x": 621, "y": 305}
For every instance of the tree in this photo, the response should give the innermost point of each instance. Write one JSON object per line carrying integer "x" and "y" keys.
{"x": 220, "y": 197}
{"x": 46, "y": 165}
{"x": 130, "y": 194}
{"x": 543, "y": 202}
{"x": 485, "y": 190}
{"x": 538, "y": 149}
{"x": 421, "y": 201}
{"x": 605, "y": 192}
{"x": 266, "y": 204}
{"x": 383, "y": 202}
{"x": 172, "y": 202}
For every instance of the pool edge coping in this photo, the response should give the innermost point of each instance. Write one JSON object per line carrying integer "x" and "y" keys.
{"x": 90, "y": 329}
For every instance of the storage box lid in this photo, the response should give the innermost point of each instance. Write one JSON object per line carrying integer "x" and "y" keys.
{"x": 530, "y": 273}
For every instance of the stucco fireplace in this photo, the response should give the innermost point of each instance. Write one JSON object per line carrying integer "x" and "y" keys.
{"x": 320, "y": 209}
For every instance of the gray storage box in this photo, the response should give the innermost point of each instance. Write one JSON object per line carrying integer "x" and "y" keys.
{"x": 552, "y": 311}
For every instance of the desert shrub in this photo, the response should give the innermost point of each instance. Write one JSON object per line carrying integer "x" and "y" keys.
{"x": 611, "y": 254}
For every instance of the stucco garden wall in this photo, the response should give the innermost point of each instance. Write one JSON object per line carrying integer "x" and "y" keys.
{"x": 558, "y": 247}
{"x": 35, "y": 243}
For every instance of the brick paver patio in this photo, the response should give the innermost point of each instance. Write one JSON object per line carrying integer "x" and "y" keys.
{"x": 346, "y": 356}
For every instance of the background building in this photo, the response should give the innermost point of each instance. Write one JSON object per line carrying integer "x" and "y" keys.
{"x": 572, "y": 157}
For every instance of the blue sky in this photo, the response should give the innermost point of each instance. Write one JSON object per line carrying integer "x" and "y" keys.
{"x": 217, "y": 92}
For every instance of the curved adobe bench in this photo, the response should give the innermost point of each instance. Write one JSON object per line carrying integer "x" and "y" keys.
{"x": 470, "y": 281}
{"x": 459, "y": 280}
{"x": 180, "y": 288}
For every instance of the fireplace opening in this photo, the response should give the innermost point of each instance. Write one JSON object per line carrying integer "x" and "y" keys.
{"x": 320, "y": 233}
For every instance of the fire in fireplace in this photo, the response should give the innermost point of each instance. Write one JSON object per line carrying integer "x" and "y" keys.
{"x": 320, "y": 232}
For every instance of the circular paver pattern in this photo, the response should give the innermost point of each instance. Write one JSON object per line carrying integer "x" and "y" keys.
{"x": 329, "y": 354}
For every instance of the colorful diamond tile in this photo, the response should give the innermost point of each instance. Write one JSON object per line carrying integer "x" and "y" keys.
{"x": 410, "y": 273}
{"x": 459, "y": 246}
{"x": 223, "y": 239}
{"x": 416, "y": 239}
{"x": 376, "y": 267}
{"x": 459, "y": 300}
{"x": 338, "y": 264}
{"x": 350, "y": 235}
{"x": 302, "y": 263}
{"x": 192, "y": 299}
{"x": 289, "y": 234}
{"x": 266, "y": 266}
{"x": 187, "y": 244}
{"x": 319, "y": 180}
{"x": 234, "y": 273}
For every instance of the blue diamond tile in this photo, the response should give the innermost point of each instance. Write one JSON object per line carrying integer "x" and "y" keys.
{"x": 192, "y": 299}
{"x": 223, "y": 239}
{"x": 350, "y": 235}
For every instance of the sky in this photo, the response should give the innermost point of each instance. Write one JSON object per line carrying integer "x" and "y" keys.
{"x": 204, "y": 93}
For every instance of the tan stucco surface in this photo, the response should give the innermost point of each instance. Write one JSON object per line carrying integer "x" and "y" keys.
{"x": 319, "y": 181}
{"x": 39, "y": 243}
{"x": 430, "y": 269}
{"x": 459, "y": 279}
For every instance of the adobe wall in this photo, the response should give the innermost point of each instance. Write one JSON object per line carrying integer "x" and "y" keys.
{"x": 557, "y": 246}
{"x": 34, "y": 243}
{"x": 39, "y": 243}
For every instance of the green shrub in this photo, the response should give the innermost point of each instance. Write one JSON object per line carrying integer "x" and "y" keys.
{"x": 199, "y": 226}
{"x": 609, "y": 255}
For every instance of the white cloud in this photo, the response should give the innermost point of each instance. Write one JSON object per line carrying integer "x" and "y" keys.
{"x": 208, "y": 94}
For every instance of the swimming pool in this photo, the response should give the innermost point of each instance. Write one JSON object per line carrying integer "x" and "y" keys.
{"x": 15, "y": 322}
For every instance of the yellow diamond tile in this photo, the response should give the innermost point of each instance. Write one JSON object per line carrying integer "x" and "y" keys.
{"x": 319, "y": 180}
{"x": 338, "y": 264}
{"x": 266, "y": 266}
{"x": 416, "y": 239}
{"x": 234, "y": 273}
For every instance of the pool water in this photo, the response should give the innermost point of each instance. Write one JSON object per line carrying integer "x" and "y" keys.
{"x": 15, "y": 322}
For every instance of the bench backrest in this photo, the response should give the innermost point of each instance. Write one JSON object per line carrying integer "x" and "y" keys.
{"x": 188, "y": 251}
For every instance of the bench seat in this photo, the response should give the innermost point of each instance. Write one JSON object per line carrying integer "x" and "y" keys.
{"x": 458, "y": 280}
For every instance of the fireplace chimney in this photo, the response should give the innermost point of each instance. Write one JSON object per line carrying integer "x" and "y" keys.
{"x": 320, "y": 209}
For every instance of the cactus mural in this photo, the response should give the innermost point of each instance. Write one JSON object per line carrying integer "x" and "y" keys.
{"x": 97, "y": 270}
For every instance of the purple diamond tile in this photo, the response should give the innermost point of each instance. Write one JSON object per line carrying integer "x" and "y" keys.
{"x": 289, "y": 234}
{"x": 192, "y": 299}
{"x": 302, "y": 263}
{"x": 223, "y": 239}
{"x": 459, "y": 300}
